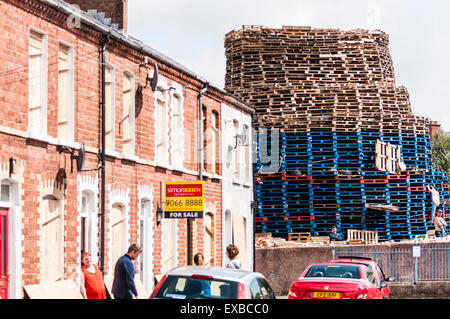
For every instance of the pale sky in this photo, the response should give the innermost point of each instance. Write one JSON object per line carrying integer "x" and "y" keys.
{"x": 192, "y": 32}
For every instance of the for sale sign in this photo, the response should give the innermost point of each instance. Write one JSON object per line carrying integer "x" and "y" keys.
{"x": 183, "y": 199}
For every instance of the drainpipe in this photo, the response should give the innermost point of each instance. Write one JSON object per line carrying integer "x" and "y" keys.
{"x": 200, "y": 131}
{"x": 200, "y": 170}
{"x": 103, "y": 157}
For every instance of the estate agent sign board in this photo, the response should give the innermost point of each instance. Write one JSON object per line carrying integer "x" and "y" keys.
{"x": 183, "y": 199}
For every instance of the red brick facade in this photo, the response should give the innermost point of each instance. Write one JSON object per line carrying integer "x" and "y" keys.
{"x": 38, "y": 161}
{"x": 114, "y": 9}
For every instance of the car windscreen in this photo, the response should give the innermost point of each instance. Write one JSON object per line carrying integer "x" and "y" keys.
{"x": 334, "y": 271}
{"x": 178, "y": 287}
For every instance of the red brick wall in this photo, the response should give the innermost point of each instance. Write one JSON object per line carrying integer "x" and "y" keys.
{"x": 435, "y": 128}
{"x": 42, "y": 159}
{"x": 114, "y": 9}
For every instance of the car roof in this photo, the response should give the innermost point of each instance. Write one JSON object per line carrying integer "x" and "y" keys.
{"x": 332, "y": 263}
{"x": 215, "y": 272}
{"x": 359, "y": 260}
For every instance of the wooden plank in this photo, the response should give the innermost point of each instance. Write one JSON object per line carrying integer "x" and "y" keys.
{"x": 62, "y": 289}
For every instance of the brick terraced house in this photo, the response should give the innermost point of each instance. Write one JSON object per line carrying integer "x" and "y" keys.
{"x": 53, "y": 87}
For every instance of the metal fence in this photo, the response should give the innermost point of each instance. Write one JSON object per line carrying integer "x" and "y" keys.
{"x": 413, "y": 263}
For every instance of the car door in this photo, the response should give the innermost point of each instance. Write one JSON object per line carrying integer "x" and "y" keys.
{"x": 373, "y": 288}
{"x": 4, "y": 275}
{"x": 385, "y": 290}
{"x": 255, "y": 290}
{"x": 266, "y": 290}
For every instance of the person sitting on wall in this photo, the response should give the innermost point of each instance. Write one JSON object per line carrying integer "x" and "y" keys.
{"x": 439, "y": 224}
{"x": 334, "y": 235}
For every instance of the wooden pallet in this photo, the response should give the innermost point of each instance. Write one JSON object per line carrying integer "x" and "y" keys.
{"x": 302, "y": 237}
{"x": 362, "y": 236}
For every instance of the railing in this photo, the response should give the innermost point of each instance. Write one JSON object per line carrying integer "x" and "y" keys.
{"x": 427, "y": 262}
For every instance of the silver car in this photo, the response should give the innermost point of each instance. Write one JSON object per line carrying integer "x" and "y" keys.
{"x": 194, "y": 282}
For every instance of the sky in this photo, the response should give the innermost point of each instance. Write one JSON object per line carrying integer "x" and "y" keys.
{"x": 192, "y": 33}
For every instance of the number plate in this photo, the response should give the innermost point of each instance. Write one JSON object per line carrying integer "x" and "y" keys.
{"x": 327, "y": 294}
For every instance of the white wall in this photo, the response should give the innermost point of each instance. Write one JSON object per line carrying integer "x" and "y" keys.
{"x": 237, "y": 194}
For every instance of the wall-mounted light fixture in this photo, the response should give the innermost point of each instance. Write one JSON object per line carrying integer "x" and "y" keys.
{"x": 159, "y": 215}
{"x": 12, "y": 166}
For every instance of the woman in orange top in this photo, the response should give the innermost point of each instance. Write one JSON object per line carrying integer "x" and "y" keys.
{"x": 92, "y": 284}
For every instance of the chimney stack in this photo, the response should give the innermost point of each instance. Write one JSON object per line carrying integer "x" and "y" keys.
{"x": 435, "y": 128}
{"x": 117, "y": 10}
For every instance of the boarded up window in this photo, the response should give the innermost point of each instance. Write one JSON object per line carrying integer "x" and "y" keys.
{"x": 247, "y": 157}
{"x": 88, "y": 214}
{"x": 146, "y": 241}
{"x": 109, "y": 108}
{"x": 215, "y": 147}
{"x": 177, "y": 153}
{"x": 161, "y": 128}
{"x": 127, "y": 122}
{"x": 65, "y": 93}
{"x": 237, "y": 163}
{"x": 118, "y": 232}
{"x": 239, "y": 237}
{"x": 205, "y": 138}
{"x": 208, "y": 239}
{"x": 37, "y": 86}
{"x": 170, "y": 244}
{"x": 52, "y": 240}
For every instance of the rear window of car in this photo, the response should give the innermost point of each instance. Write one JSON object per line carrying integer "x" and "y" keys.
{"x": 177, "y": 287}
{"x": 334, "y": 271}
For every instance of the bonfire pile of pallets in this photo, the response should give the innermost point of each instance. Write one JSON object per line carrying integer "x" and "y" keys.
{"x": 301, "y": 79}
{"x": 332, "y": 97}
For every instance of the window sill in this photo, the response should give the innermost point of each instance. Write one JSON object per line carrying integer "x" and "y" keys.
{"x": 128, "y": 157}
{"x": 112, "y": 153}
{"x": 70, "y": 144}
{"x": 41, "y": 138}
{"x": 237, "y": 182}
{"x": 163, "y": 165}
{"x": 178, "y": 168}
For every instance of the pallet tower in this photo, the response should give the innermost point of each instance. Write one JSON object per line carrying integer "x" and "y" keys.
{"x": 348, "y": 140}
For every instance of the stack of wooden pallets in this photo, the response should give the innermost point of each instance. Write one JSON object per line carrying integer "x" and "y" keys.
{"x": 332, "y": 96}
{"x": 301, "y": 79}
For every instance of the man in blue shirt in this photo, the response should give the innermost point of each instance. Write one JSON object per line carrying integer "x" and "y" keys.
{"x": 123, "y": 285}
{"x": 334, "y": 235}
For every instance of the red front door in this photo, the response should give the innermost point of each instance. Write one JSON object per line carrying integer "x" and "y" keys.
{"x": 4, "y": 253}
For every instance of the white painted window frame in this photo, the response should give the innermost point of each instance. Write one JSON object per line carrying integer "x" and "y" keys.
{"x": 131, "y": 155}
{"x": 178, "y": 162}
{"x": 70, "y": 96}
{"x": 164, "y": 163}
{"x": 31, "y": 133}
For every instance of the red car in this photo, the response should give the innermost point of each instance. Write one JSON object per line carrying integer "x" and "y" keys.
{"x": 342, "y": 278}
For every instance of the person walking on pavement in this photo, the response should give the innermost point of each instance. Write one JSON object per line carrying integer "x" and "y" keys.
{"x": 435, "y": 202}
{"x": 439, "y": 224}
{"x": 123, "y": 284}
{"x": 92, "y": 285}
{"x": 199, "y": 260}
{"x": 232, "y": 253}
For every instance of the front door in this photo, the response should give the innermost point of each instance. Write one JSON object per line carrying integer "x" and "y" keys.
{"x": 118, "y": 233}
{"x": 4, "y": 253}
